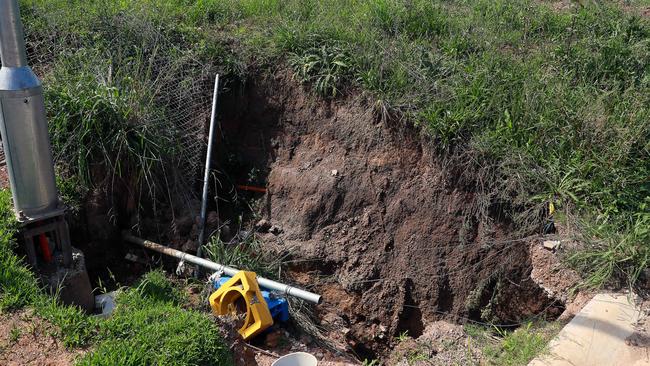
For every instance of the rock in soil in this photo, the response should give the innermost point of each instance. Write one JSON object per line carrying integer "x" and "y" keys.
{"x": 263, "y": 226}
{"x": 275, "y": 230}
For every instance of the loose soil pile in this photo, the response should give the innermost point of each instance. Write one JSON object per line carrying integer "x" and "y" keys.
{"x": 388, "y": 233}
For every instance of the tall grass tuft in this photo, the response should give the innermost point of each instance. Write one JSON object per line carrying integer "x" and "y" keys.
{"x": 104, "y": 119}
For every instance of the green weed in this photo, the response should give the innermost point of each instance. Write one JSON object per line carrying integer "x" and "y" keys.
{"x": 419, "y": 354}
{"x": 245, "y": 255}
{"x": 14, "y": 334}
{"x": 511, "y": 348}
{"x": 403, "y": 336}
{"x": 368, "y": 362}
{"x": 326, "y": 67}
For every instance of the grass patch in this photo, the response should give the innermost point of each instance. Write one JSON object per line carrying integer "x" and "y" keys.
{"x": 512, "y": 348}
{"x": 101, "y": 118}
{"x": 612, "y": 250}
{"x": 125, "y": 92}
{"x": 149, "y": 327}
{"x": 17, "y": 284}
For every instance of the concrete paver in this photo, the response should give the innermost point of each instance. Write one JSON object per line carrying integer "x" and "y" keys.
{"x": 597, "y": 336}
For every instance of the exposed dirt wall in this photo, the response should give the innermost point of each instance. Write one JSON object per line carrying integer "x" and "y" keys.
{"x": 393, "y": 235}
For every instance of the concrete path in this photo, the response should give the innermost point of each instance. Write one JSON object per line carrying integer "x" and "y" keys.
{"x": 597, "y": 336}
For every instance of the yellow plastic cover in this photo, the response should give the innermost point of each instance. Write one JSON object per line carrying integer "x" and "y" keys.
{"x": 243, "y": 285}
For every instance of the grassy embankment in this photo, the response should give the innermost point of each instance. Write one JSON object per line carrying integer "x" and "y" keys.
{"x": 540, "y": 104}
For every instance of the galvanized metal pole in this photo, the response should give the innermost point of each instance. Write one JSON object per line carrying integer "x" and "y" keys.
{"x": 208, "y": 162}
{"x": 263, "y": 282}
{"x": 23, "y": 124}
{"x": 12, "y": 47}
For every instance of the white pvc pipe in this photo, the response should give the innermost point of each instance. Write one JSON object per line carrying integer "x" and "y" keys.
{"x": 263, "y": 282}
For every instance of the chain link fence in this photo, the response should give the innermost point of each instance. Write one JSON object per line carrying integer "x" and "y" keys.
{"x": 170, "y": 69}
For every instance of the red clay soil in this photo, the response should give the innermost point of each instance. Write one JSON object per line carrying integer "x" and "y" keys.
{"x": 28, "y": 340}
{"x": 392, "y": 234}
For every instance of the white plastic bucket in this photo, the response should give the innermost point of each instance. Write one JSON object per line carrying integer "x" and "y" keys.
{"x": 296, "y": 359}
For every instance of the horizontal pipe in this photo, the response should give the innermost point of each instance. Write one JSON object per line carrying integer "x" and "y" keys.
{"x": 12, "y": 39}
{"x": 251, "y": 188}
{"x": 229, "y": 271}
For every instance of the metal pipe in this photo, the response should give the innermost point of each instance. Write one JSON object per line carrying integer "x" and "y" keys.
{"x": 263, "y": 282}
{"x": 12, "y": 39}
{"x": 208, "y": 162}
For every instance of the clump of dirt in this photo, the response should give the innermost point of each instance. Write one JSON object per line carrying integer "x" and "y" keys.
{"x": 558, "y": 281}
{"x": 550, "y": 273}
{"x": 375, "y": 216}
{"x": 23, "y": 339}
